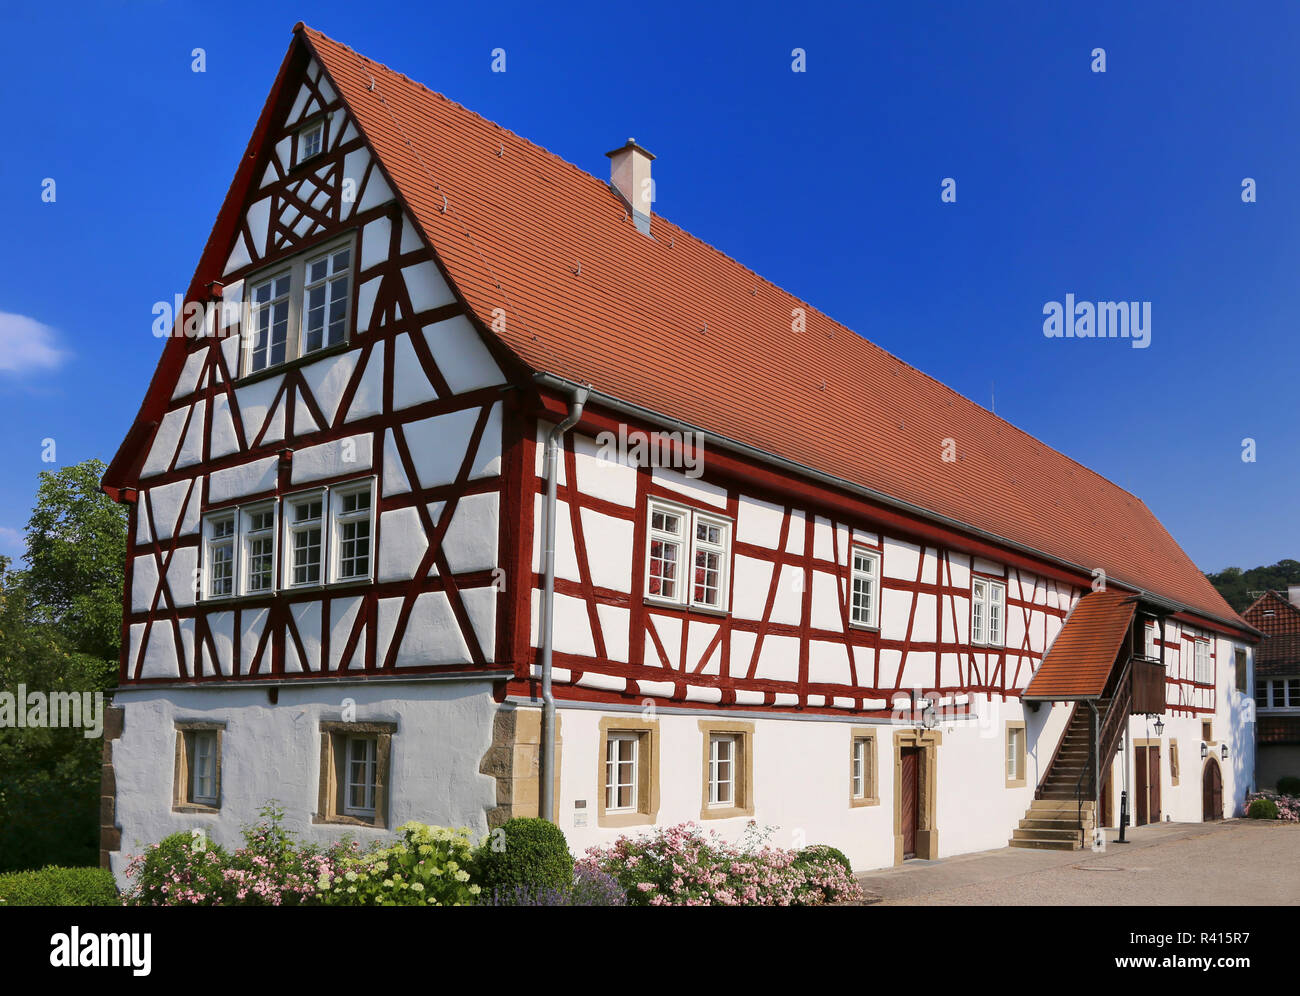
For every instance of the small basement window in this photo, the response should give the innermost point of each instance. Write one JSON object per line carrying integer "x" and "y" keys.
{"x": 197, "y": 782}
{"x": 354, "y": 773}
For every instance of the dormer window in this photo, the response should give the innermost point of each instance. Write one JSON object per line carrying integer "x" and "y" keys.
{"x": 298, "y": 307}
{"x": 311, "y": 140}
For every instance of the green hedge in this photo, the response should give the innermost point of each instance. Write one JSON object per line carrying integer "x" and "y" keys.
{"x": 524, "y": 852}
{"x": 55, "y": 886}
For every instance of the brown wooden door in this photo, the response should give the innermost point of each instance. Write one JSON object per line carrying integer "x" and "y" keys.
{"x": 1212, "y": 793}
{"x": 909, "y": 799}
{"x": 1105, "y": 802}
{"x": 1153, "y": 780}
{"x": 1140, "y": 787}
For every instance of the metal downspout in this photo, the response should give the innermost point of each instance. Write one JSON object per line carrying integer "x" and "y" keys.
{"x": 546, "y": 765}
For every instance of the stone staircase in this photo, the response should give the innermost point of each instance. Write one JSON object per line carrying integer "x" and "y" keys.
{"x": 1052, "y": 822}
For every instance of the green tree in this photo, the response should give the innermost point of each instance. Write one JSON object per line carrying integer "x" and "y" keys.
{"x": 76, "y": 555}
{"x": 60, "y": 624}
{"x": 1236, "y": 585}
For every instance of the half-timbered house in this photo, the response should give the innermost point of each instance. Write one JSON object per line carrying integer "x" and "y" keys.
{"x": 477, "y": 488}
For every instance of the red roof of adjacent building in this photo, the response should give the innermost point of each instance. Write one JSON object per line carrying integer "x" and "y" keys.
{"x": 1083, "y": 653}
{"x": 1277, "y": 729}
{"x": 672, "y": 325}
{"x": 1279, "y": 620}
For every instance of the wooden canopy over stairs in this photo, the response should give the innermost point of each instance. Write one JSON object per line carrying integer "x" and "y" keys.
{"x": 1095, "y": 662}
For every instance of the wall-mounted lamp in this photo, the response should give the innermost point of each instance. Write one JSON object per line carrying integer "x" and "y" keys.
{"x": 1160, "y": 726}
{"x": 1205, "y": 750}
{"x": 1224, "y": 751}
{"x": 928, "y": 718}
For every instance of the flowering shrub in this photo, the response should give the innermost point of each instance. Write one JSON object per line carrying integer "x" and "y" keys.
{"x": 680, "y": 866}
{"x": 186, "y": 869}
{"x": 429, "y": 866}
{"x": 591, "y": 887}
{"x": 1271, "y": 806}
{"x": 180, "y": 870}
{"x": 271, "y": 870}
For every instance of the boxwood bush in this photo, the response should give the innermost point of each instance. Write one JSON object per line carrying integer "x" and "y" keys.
{"x": 1262, "y": 809}
{"x": 55, "y": 886}
{"x": 524, "y": 852}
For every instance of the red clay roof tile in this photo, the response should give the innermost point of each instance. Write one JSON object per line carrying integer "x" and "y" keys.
{"x": 1083, "y": 653}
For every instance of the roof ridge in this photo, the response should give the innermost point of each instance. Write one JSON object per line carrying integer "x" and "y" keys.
{"x": 585, "y": 175}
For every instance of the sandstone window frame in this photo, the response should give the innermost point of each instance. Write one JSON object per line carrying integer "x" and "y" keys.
{"x": 331, "y": 806}
{"x": 190, "y": 733}
{"x": 1015, "y": 755}
{"x": 869, "y": 793}
{"x": 646, "y": 811}
{"x": 741, "y": 735}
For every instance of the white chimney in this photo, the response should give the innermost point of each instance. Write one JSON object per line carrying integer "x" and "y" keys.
{"x": 629, "y": 175}
{"x": 1293, "y": 594}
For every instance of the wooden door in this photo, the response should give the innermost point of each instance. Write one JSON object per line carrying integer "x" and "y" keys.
{"x": 1106, "y": 803}
{"x": 1212, "y": 793}
{"x": 1140, "y": 787}
{"x": 1153, "y": 780}
{"x": 909, "y": 798}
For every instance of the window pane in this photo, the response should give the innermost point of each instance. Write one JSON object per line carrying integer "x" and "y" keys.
{"x": 663, "y": 568}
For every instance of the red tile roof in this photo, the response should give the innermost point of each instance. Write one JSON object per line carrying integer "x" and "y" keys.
{"x": 672, "y": 325}
{"x": 1278, "y": 730}
{"x": 1279, "y": 652}
{"x": 1083, "y": 653}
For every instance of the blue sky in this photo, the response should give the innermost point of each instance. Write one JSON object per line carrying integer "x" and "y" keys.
{"x": 1117, "y": 186}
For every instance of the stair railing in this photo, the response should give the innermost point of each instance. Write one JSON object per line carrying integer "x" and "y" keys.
{"x": 1104, "y": 742}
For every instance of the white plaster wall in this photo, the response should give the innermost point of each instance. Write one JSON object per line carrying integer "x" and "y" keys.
{"x": 801, "y": 781}
{"x": 273, "y": 752}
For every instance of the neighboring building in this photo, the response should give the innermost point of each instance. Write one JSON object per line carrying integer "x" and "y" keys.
{"x": 1277, "y": 685}
{"x": 337, "y": 588}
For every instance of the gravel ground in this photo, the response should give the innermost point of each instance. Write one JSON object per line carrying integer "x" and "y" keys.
{"x": 1236, "y": 862}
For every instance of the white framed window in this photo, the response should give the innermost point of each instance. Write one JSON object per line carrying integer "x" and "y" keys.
{"x": 311, "y": 140}
{"x": 864, "y": 588}
{"x": 220, "y": 551}
{"x": 352, "y": 527}
{"x": 268, "y": 322}
{"x": 203, "y": 768}
{"x": 722, "y": 770}
{"x": 988, "y": 601}
{"x": 1204, "y": 666}
{"x": 305, "y": 533}
{"x": 621, "y": 772}
{"x": 679, "y": 536}
{"x": 257, "y": 538}
{"x": 710, "y": 557}
{"x": 298, "y": 307}
{"x": 325, "y": 299}
{"x": 860, "y": 748}
{"x": 362, "y": 768}
{"x": 667, "y": 540}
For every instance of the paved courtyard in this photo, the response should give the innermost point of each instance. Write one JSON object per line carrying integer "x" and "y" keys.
{"x": 1236, "y": 862}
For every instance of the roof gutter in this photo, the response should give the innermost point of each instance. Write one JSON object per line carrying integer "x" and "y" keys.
{"x": 546, "y": 767}
{"x": 762, "y": 456}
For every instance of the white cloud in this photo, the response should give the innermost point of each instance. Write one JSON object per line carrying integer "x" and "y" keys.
{"x": 26, "y": 345}
{"x": 11, "y": 542}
